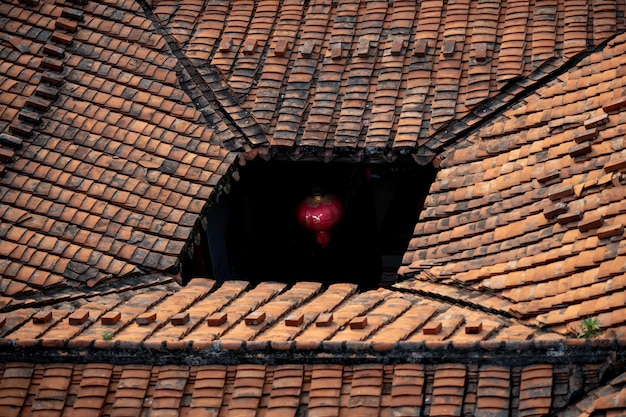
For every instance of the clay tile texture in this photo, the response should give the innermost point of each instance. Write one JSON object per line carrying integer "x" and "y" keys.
{"x": 371, "y": 79}
{"x": 514, "y": 213}
{"x": 95, "y": 186}
{"x": 124, "y": 122}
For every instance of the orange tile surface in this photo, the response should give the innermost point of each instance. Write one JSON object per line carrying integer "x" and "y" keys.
{"x": 120, "y": 121}
{"x": 517, "y": 213}
{"x": 385, "y": 316}
{"x": 110, "y": 164}
{"x": 374, "y": 79}
{"x": 245, "y": 389}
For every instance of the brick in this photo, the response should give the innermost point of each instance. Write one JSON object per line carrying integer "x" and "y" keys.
{"x": 306, "y": 50}
{"x": 42, "y": 317}
{"x": 281, "y": 47}
{"x": 54, "y": 50}
{"x": 582, "y": 135}
{"x": 396, "y": 47}
{"x": 324, "y": 320}
{"x": 474, "y": 328}
{"x": 614, "y": 105}
{"x": 255, "y": 318}
{"x": 591, "y": 223}
{"x": 180, "y": 319}
{"x": 22, "y": 129}
{"x": 569, "y": 217}
{"x": 480, "y": 52}
{"x": 51, "y": 63}
{"x": 421, "y": 45}
{"x": 555, "y": 210}
{"x": 449, "y": 48}
{"x": 560, "y": 192}
{"x": 363, "y": 49}
{"x": 217, "y": 319}
{"x": 145, "y": 319}
{"x": 66, "y": 24}
{"x": 615, "y": 165}
{"x": 111, "y": 317}
{"x": 10, "y": 141}
{"x": 29, "y": 116}
{"x": 610, "y": 231}
{"x": 358, "y": 322}
{"x": 52, "y": 78}
{"x": 596, "y": 121}
{"x": 294, "y": 320}
{"x": 336, "y": 51}
{"x": 73, "y": 14}
{"x": 38, "y": 103}
{"x": 6, "y": 155}
{"x": 433, "y": 328}
{"x": 62, "y": 38}
{"x": 548, "y": 176}
{"x": 44, "y": 91}
{"x": 226, "y": 44}
{"x": 580, "y": 149}
{"x": 78, "y": 317}
{"x": 250, "y": 46}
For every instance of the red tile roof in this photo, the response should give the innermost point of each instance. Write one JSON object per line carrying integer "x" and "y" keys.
{"x": 364, "y": 79}
{"x": 267, "y": 313}
{"x": 120, "y": 123}
{"x": 286, "y": 389}
{"x": 110, "y": 163}
{"x": 529, "y": 208}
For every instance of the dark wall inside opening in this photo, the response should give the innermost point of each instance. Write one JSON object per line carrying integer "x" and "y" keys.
{"x": 253, "y": 233}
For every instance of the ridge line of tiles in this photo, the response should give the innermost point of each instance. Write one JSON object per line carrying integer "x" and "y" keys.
{"x": 433, "y": 149}
{"x": 239, "y": 351}
{"x": 219, "y": 92}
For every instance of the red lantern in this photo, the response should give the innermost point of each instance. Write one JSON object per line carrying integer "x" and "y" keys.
{"x": 320, "y": 213}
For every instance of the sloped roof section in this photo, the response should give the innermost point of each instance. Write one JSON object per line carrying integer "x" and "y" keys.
{"x": 289, "y": 389}
{"x": 530, "y": 208}
{"x": 108, "y": 164}
{"x": 377, "y": 78}
{"x": 608, "y": 400}
{"x": 301, "y": 316}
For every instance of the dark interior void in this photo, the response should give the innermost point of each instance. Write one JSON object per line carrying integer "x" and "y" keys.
{"x": 253, "y": 233}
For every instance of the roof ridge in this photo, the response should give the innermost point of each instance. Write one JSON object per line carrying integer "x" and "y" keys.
{"x": 587, "y": 351}
{"x": 511, "y": 94}
{"x": 211, "y": 95}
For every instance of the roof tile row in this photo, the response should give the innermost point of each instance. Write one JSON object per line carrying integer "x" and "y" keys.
{"x": 532, "y": 211}
{"x": 112, "y": 162}
{"x": 247, "y": 389}
{"x": 202, "y": 312}
{"x": 308, "y": 94}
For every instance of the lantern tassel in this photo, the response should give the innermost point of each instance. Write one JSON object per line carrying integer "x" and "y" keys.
{"x": 322, "y": 237}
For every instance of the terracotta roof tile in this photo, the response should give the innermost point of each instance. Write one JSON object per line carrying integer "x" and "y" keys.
{"x": 300, "y": 82}
{"x": 332, "y": 297}
{"x": 373, "y": 389}
{"x": 535, "y": 390}
{"x": 106, "y": 110}
{"x": 536, "y": 211}
{"x": 15, "y": 383}
{"x": 493, "y": 390}
{"x": 93, "y": 390}
{"x": 110, "y": 161}
{"x": 448, "y": 392}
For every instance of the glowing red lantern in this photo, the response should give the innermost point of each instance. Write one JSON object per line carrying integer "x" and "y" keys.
{"x": 320, "y": 213}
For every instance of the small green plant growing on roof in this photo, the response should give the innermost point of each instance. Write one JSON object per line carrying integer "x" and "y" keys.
{"x": 590, "y": 328}
{"x": 107, "y": 335}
